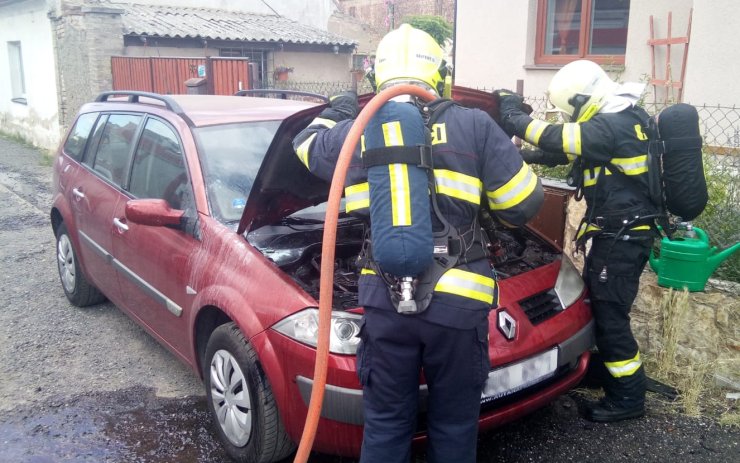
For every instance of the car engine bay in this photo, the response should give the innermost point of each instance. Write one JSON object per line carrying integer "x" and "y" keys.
{"x": 295, "y": 245}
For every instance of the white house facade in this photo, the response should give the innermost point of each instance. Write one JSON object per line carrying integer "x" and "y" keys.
{"x": 28, "y": 88}
{"x": 500, "y": 42}
{"x": 55, "y": 55}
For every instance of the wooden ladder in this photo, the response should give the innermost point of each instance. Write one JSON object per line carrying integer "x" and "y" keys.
{"x": 669, "y": 81}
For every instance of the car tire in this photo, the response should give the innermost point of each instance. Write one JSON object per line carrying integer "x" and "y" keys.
{"x": 241, "y": 401}
{"x": 78, "y": 290}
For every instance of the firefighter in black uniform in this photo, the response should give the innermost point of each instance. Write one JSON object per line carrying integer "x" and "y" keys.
{"x": 473, "y": 161}
{"x": 608, "y": 147}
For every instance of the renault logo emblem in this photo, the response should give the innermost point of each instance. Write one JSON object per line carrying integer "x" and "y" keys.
{"x": 507, "y": 325}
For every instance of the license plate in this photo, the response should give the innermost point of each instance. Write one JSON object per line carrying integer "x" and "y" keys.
{"x": 517, "y": 376}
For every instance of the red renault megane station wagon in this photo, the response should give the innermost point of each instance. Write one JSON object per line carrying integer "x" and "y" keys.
{"x": 193, "y": 215}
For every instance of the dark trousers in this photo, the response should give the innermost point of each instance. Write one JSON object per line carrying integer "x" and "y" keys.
{"x": 611, "y": 301}
{"x": 393, "y": 351}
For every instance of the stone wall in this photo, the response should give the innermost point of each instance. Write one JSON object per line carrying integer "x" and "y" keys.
{"x": 708, "y": 332}
{"x": 86, "y": 38}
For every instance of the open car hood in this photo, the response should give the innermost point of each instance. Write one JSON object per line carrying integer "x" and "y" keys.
{"x": 283, "y": 184}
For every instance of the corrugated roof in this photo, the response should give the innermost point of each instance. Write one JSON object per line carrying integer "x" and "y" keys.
{"x": 168, "y": 21}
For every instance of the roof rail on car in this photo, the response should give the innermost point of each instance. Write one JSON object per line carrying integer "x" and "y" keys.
{"x": 134, "y": 95}
{"x": 283, "y": 94}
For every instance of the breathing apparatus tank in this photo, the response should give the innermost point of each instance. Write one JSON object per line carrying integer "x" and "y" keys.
{"x": 397, "y": 154}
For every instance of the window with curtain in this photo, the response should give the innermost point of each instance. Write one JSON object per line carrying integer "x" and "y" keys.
{"x": 574, "y": 29}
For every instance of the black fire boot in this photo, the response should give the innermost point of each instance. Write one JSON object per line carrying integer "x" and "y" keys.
{"x": 624, "y": 399}
{"x": 606, "y": 411}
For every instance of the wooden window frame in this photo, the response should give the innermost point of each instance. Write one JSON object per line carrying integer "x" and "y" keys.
{"x": 542, "y": 58}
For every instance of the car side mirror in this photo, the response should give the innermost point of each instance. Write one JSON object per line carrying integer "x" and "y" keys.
{"x": 153, "y": 212}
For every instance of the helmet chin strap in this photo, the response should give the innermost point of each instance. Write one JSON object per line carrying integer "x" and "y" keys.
{"x": 577, "y": 101}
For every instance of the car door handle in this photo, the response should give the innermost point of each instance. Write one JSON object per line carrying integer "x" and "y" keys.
{"x": 121, "y": 225}
{"x": 78, "y": 193}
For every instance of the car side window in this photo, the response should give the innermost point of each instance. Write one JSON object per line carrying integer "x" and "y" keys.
{"x": 159, "y": 169}
{"x": 74, "y": 147}
{"x": 115, "y": 147}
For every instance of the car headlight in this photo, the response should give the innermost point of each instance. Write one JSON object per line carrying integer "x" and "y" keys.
{"x": 569, "y": 285}
{"x": 304, "y": 327}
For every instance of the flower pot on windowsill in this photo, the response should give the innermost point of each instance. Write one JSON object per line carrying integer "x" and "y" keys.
{"x": 281, "y": 73}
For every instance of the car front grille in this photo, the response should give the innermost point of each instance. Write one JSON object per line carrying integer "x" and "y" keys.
{"x": 542, "y": 306}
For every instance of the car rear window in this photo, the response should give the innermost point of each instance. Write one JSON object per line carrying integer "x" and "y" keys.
{"x": 230, "y": 156}
{"x": 75, "y": 145}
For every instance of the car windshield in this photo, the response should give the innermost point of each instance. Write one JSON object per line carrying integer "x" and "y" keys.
{"x": 231, "y": 156}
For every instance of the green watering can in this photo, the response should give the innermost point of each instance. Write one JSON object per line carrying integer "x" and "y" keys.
{"x": 688, "y": 261}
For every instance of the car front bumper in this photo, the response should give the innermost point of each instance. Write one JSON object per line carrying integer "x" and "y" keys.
{"x": 344, "y": 405}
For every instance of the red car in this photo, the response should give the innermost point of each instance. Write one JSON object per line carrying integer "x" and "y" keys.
{"x": 193, "y": 215}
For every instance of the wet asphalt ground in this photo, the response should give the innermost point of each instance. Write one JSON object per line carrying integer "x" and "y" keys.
{"x": 88, "y": 385}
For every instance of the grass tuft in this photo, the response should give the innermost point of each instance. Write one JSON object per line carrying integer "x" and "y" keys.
{"x": 673, "y": 308}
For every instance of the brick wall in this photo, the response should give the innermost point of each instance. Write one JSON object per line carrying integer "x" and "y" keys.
{"x": 86, "y": 38}
{"x": 381, "y": 14}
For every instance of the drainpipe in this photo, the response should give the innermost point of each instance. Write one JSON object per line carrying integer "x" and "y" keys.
{"x": 454, "y": 45}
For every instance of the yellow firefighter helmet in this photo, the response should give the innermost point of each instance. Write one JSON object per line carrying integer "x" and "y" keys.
{"x": 580, "y": 89}
{"x": 410, "y": 55}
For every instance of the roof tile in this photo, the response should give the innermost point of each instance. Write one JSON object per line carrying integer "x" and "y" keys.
{"x": 182, "y": 22}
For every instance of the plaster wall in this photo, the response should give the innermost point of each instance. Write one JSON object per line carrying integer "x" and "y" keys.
{"x": 492, "y": 44}
{"x": 638, "y": 62}
{"x": 316, "y": 67}
{"x": 714, "y": 57}
{"x": 496, "y": 45}
{"x": 37, "y": 120}
{"x": 366, "y": 36}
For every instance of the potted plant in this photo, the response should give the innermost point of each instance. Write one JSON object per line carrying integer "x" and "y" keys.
{"x": 281, "y": 72}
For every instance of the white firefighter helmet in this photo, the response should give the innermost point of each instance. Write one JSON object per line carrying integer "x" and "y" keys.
{"x": 580, "y": 89}
{"x": 410, "y": 55}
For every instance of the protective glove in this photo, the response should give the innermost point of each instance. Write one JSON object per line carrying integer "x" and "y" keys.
{"x": 509, "y": 103}
{"x": 545, "y": 158}
{"x": 342, "y": 106}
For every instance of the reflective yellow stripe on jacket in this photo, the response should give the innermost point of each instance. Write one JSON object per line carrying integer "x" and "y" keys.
{"x": 534, "y": 131}
{"x": 357, "y": 197}
{"x": 629, "y": 166}
{"x": 514, "y": 191}
{"x": 624, "y": 367}
{"x": 632, "y": 166}
{"x": 449, "y": 183}
{"x": 302, "y": 150}
{"x": 591, "y": 176}
{"x": 572, "y": 138}
{"x": 467, "y": 284}
{"x": 461, "y": 283}
{"x": 458, "y": 186}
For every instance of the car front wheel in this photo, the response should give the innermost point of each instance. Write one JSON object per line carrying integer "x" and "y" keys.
{"x": 241, "y": 401}
{"x": 79, "y": 291}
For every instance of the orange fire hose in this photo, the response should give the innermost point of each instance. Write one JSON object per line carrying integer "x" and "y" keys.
{"x": 326, "y": 282}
